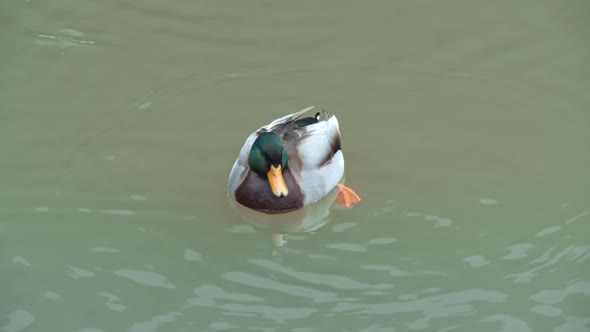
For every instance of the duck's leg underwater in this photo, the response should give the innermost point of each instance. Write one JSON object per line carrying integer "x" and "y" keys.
{"x": 346, "y": 196}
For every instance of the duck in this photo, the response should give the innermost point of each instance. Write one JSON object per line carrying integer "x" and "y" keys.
{"x": 290, "y": 163}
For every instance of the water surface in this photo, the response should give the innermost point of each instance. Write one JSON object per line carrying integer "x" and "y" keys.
{"x": 464, "y": 129}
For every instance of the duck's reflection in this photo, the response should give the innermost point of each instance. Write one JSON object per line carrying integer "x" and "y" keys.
{"x": 304, "y": 220}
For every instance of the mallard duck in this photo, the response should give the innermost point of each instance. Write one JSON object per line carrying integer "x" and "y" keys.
{"x": 292, "y": 162}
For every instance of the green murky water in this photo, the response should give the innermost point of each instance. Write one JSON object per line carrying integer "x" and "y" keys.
{"x": 465, "y": 128}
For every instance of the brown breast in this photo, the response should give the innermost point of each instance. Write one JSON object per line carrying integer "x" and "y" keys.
{"x": 255, "y": 193}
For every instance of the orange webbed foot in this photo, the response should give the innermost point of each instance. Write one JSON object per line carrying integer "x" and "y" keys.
{"x": 346, "y": 196}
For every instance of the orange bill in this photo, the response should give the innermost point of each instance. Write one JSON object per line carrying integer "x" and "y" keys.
{"x": 277, "y": 182}
{"x": 346, "y": 196}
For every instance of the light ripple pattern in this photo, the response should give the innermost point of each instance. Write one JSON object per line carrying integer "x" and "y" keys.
{"x": 145, "y": 278}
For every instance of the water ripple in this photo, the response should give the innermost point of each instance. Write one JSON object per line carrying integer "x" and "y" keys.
{"x": 343, "y": 226}
{"x": 192, "y": 255}
{"x": 442, "y": 305}
{"x": 380, "y": 211}
{"x": 439, "y": 221}
{"x": 547, "y": 311}
{"x": 264, "y": 283}
{"x": 382, "y": 240}
{"x": 518, "y": 251}
{"x": 78, "y": 273}
{"x": 377, "y": 267}
{"x": 377, "y": 328}
{"x": 279, "y": 315}
{"x": 153, "y": 324}
{"x": 476, "y": 261}
{"x": 112, "y": 302}
{"x": 346, "y": 246}
{"x": 208, "y": 294}
{"x": 52, "y": 295}
{"x": 549, "y": 259}
{"x": 62, "y": 41}
{"x": 18, "y": 320}
{"x": 547, "y": 231}
{"x": 397, "y": 272}
{"x": 119, "y": 212}
{"x": 105, "y": 250}
{"x": 508, "y": 323}
{"x": 146, "y": 278}
{"x": 330, "y": 280}
{"x": 21, "y": 260}
{"x": 571, "y": 220}
{"x": 574, "y": 325}
{"x": 555, "y": 296}
{"x": 222, "y": 326}
{"x": 488, "y": 201}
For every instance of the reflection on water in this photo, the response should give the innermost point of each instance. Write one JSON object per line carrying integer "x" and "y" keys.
{"x": 112, "y": 302}
{"x": 303, "y": 220}
{"x": 155, "y": 323}
{"x": 145, "y": 278}
{"x": 52, "y": 296}
{"x": 80, "y": 273}
{"x": 19, "y": 320}
{"x": 312, "y": 280}
{"x": 464, "y": 127}
{"x": 518, "y": 251}
{"x": 48, "y": 40}
{"x": 105, "y": 250}
{"x": 438, "y": 221}
{"x": 331, "y": 267}
{"x": 21, "y": 260}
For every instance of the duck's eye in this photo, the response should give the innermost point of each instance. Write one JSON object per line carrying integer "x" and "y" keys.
{"x": 317, "y": 116}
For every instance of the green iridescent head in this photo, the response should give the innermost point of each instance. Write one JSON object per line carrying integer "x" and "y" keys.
{"x": 268, "y": 157}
